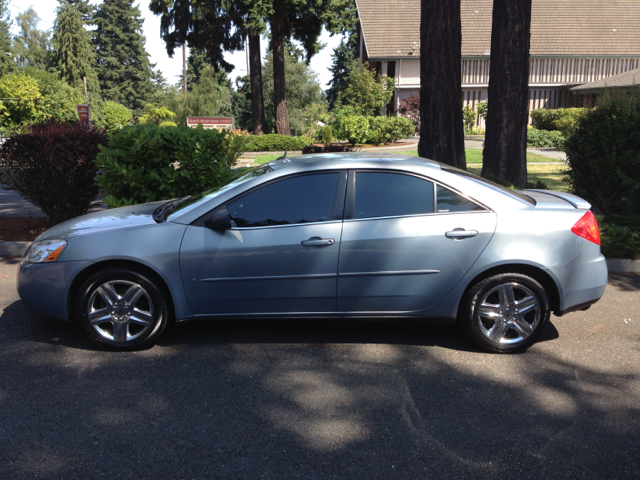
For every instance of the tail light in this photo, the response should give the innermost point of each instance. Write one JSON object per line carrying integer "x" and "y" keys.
{"x": 587, "y": 227}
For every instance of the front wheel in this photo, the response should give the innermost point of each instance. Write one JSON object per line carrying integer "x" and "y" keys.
{"x": 122, "y": 308}
{"x": 505, "y": 313}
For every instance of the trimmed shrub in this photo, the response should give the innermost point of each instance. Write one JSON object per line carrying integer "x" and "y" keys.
{"x": 618, "y": 241}
{"x": 116, "y": 114}
{"x": 355, "y": 128}
{"x": 145, "y": 163}
{"x": 389, "y": 129}
{"x": 53, "y": 167}
{"x": 335, "y": 148}
{"x": 604, "y": 155}
{"x": 409, "y": 107}
{"x": 558, "y": 119}
{"x": 277, "y": 143}
{"x": 545, "y": 139}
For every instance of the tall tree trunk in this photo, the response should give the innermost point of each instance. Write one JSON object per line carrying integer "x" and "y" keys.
{"x": 257, "y": 102}
{"x": 441, "y": 130}
{"x": 279, "y": 96}
{"x": 505, "y": 150}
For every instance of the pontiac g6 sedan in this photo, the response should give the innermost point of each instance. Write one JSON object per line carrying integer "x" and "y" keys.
{"x": 343, "y": 235}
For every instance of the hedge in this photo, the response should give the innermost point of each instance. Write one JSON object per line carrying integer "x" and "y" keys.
{"x": 277, "y": 143}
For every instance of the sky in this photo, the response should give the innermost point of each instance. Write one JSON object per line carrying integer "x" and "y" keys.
{"x": 171, "y": 68}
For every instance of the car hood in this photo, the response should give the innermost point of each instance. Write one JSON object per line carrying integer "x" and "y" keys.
{"x": 115, "y": 218}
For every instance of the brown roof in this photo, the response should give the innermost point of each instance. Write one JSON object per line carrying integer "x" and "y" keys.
{"x": 623, "y": 80}
{"x": 558, "y": 27}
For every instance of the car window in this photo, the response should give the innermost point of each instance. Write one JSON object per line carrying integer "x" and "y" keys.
{"x": 302, "y": 199}
{"x": 380, "y": 194}
{"x": 450, "y": 201}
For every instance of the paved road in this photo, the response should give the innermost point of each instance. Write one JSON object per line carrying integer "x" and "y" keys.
{"x": 322, "y": 399}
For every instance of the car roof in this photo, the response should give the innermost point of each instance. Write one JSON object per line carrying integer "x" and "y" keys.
{"x": 350, "y": 160}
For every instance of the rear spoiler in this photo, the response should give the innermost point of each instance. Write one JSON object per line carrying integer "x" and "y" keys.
{"x": 574, "y": 200}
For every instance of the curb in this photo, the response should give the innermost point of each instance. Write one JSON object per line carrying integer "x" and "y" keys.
{"x": 614, "y": 265}
{"x": 13, "y": 249}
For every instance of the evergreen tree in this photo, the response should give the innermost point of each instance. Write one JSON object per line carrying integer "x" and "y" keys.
{"x": 31, "y": 45}
{"x": 83, "y": 6}
{"x": 6, "y": 50}
{"x": 123, "y": 66}
{"x": 345, "y": 58}
{"x": 73, "y": 55}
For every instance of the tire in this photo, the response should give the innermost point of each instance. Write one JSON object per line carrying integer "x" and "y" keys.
{"x": 122, "y": 308}
{"x": 505, "y": 313}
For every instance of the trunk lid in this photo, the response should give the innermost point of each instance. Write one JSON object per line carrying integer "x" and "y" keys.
{"x": 555, "y": 199}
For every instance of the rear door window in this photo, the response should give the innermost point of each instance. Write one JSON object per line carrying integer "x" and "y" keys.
{"x": 380, "y": 194}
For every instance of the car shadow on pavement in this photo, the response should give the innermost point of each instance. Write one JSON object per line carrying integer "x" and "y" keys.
{"x": 625, "y": 281}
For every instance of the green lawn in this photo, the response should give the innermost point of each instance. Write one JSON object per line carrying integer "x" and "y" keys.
{"x": 552, "y": 175}
{"x": 474, "y": 155}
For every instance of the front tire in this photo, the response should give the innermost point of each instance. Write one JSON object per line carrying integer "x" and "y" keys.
{"x": 122, "y": 308}
{"x": 505, "y": 313}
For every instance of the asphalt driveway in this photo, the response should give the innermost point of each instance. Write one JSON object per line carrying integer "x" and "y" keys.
{"x": 319, "y": 399}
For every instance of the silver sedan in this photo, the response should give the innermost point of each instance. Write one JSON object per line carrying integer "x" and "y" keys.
{"x": 342, "y": 235}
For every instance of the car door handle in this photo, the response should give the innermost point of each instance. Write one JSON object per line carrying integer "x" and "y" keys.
{"x": 317, "y": 242}
{"x": 461, "y": 233}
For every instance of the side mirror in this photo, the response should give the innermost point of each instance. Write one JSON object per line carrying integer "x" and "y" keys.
{"x": 218, "y": 220}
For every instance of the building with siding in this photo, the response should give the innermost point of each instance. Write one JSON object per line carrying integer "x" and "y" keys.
{"x": 572, "y": 42}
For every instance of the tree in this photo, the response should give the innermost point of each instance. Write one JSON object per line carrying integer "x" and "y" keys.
{"x": 115, "y": 115}
{"x": 73, "y": 57}
{"x": 505, "y": 150}
{"x": 6, "y": 49}
{"x": 366, "y": 91}
{"x": 441, "y": 132}
{"x": 83, "y": 6}
{"x": 255, "y": 78}
{"x": 345, "y": 59}
{"x": 31, "y": 45}
{"x": 123, "y": 66}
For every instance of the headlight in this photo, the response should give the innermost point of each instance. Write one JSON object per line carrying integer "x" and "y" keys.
{"x": 45, "y": 251}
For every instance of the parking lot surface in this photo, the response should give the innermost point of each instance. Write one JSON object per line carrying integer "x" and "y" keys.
{"x": 318, "y": 399}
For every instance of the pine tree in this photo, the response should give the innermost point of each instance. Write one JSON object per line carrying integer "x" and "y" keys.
{"x": 73, "y": 58}
{"x": 123, "y": 66}
{"x": 345, "y": 58}
{"x": 84, "y": 7}
{"x": 31, "y": 45}
{"x": 6, "y": 50}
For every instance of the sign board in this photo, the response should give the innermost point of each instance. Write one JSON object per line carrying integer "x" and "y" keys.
{"x": 208, "y": 123}
{"x": 84, "y": 114}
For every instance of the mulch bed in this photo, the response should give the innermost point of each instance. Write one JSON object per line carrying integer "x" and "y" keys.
{"x": 22, "y": 229}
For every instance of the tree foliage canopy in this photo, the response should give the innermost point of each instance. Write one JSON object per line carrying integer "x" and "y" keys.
{"x": 366, "y": 91}
{"x": 31, "y": 44}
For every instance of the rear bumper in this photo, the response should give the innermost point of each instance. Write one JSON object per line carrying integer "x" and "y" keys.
{"x": 44, "y": 287}
{"x": 582, "y": 281}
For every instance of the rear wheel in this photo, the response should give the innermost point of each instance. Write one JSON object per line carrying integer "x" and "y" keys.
{"x": 505, "y": 313}
{"x": 122, "y": 308}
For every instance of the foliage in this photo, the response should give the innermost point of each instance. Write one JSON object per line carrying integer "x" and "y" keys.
{"x": 53, "y": 167}
{"x": 563, "y": 119}
{"x": 355, "y": 128}
{"x": 345, "y": 59}
{"x": 545, "y": 139}
{"x": 31, "y": 45}
{"x": 302, "y": 91}
{"x": 115, "y": 115}
{"x": 604, "y": 158}
{"x": 156, "y": 115}
{"x": 389, "y": 129}
{"x": 6, "y": 47}
{"x": 123, "y": 66}
{"x": 325, "y": 135}
{"x": 73, "y": 56}
{"x": 475, "y": 131}
{"x": 483, "y": 108}
{"x": 145, "y": 163}
{"x": 277, "y": 143}
{"x": 366, "y": 91}
{"x": 469, "y": 116}
{"x": 618, "y": 241}
{"x": 409, "y": 107}
{"x": 27, "y": 109}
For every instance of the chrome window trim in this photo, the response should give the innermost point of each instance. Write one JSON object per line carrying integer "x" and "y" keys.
{"x": 416, "y": 215}
{"x": 286, "y": 225}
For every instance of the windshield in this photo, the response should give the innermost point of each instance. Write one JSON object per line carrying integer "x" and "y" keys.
{"x": 234, "y": 180}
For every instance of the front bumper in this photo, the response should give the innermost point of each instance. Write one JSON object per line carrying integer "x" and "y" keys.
{"x": 44, "y": 287}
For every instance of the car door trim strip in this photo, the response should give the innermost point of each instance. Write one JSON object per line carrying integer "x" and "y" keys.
{"x": 390, "y": 272}
{"x": 270, "y": 277}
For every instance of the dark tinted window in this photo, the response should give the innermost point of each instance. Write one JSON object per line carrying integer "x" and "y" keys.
{"x": 391, "y": 194}
{"x": 449, "y": 201}
{"x": 304, "y": 199}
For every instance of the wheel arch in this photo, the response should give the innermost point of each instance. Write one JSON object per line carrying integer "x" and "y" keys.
{"x": 78, "y": 281}
{"x": 537, "y": 273}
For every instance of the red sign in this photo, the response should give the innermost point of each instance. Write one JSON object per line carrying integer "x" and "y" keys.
{"x": 220, "y": 123}
{"x": 84, "y": 114}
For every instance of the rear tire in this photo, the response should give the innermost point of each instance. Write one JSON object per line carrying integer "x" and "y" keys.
{"x": 122, "y": 308}
{"x": 505, "y": 313}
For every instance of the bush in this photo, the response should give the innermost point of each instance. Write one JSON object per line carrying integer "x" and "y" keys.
{"x": 53, "y": 167}
{"x": 145, "y": 163}
{"x": 336, "y": 148}
{"x": 115, "y": 115}
{"x": 355, "y": 128}
{"x": 544, "y": 139}
{"x": 483, "y": 108}
{"x": 409, "y": 107}
{"x": 389, "y": 129}
{"x": 325, "y": 135}
{"x": 469, "y": 117}
{"x": 558, "y": 119}
{"x": 277, "y": 143}
{"x": 604, "y": 155}
{"x": 618, "y": 241}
